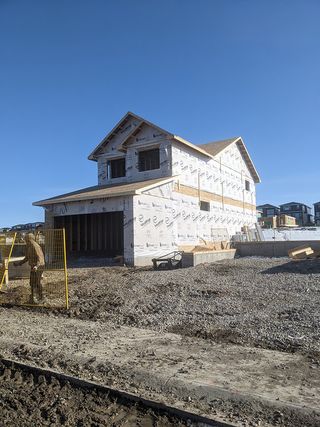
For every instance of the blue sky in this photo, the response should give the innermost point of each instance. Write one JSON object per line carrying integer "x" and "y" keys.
{"x": 203, "y": 69}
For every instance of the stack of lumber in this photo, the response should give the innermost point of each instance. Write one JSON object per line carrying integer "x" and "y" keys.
{"x": 303, "y": 252}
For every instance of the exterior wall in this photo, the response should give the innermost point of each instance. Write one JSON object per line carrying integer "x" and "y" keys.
{"x": 165, "y": 219}
{"x": 124, "y": 204}
{"x": 155, "y": 232}
{"x": 224, "y": 176}
{"x": 234, "y": 173}
{"x": 147, "y": 138}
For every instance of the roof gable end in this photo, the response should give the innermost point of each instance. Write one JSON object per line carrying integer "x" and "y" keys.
{"x": 217, "y": 147}
{"x": 139, "y": 122}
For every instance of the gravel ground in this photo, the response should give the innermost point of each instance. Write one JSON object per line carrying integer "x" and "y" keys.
{"x": 261, "y": 302}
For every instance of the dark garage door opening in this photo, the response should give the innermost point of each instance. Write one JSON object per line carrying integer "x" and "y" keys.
{"x": 99, "y": 234}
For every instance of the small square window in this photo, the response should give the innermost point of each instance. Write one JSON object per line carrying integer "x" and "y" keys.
{"x": 204, "y": 206}
{"x": 247, "y": 184}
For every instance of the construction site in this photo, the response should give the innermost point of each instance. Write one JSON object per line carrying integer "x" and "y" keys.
{"x": 155, "y": 298}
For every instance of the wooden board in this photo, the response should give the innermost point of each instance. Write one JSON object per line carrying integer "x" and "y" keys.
{"x": 300, "y": 252}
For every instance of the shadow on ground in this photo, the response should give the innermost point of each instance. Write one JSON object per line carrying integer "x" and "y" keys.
{"x": 308, "y": 266}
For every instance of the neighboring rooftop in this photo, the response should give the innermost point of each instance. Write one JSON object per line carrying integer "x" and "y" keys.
{"x": 267, "y": 205}
{"x": 294, "y": 203}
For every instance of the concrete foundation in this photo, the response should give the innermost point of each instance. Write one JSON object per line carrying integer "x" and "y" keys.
{"x": 272, "y": 249}
{"x": 191, "y": 259}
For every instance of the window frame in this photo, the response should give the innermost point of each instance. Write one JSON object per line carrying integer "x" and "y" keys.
{"x": 110, "y": 168}
{"x": 247, "y": 185}
{"x": 143, "y": 167}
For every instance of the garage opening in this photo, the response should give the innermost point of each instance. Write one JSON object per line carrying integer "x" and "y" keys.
{"x": 99, "y": 234}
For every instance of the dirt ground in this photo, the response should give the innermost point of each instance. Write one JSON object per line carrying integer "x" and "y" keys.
{"x": 245, "y": 332}
{"x": 29, "y": 400}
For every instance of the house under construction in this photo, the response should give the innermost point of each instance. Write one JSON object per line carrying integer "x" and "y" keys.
{"x": 156, "y": 192}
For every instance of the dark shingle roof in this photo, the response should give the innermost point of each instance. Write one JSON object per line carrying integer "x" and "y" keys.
{"x": 215, "y": 147}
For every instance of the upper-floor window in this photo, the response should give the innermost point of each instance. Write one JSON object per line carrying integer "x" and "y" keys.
{"x": 247, "y": 185}
{"x": 117, "y": 168}
{"x": 149, "y": 159}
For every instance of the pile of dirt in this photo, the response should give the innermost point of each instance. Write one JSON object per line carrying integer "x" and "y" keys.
{"x": 269, "y": 303}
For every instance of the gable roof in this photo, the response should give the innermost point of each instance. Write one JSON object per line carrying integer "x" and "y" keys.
{"x": 210, "y": 150}
{"x": 122, "y": 123}
{"x": 105, "y": 191}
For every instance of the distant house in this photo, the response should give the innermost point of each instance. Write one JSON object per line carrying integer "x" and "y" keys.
{"x": 317, "y": 213}
{"x": 268, "y": 210}
{"x": 156, "y": 192}
{"x": 300, "y": 211}
{"x": 4, "y": 229}
{"x": 25, "y": 227}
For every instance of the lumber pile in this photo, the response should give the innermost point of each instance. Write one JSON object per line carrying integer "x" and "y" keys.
{"x": 303, "y": 252}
